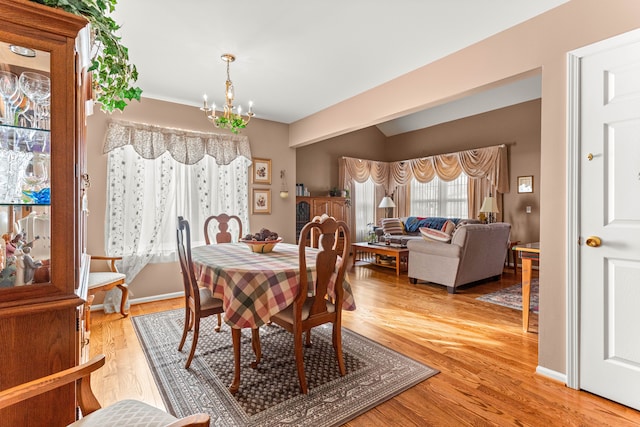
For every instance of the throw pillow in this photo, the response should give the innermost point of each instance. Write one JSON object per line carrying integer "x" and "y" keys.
{"x": 431, "y": 234}
{"x": 392, "y": 226}
{"x": 448, "y": 227}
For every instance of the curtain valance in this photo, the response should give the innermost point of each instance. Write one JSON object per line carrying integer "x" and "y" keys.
{"x": 488, "y": 163}
{"x": 185, "y": 146}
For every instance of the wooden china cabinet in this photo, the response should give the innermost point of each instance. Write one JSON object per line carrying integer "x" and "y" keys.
{"x": 309, "y": 207}
{"x": 42, "y": 130}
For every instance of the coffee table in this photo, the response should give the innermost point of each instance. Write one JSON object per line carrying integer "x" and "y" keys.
{"x": 375, "y": 253}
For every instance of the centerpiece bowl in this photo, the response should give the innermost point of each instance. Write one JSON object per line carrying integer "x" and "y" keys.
{"x": 262, "y": 246}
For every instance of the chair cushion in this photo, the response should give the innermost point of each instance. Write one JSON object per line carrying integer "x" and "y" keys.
{"x": 392, "y": 226}
{"x": 287, "y": 313}
{"x": 130, "y": 413}
{"x": 207, "y": 300}
{"x": 101, "y": 278}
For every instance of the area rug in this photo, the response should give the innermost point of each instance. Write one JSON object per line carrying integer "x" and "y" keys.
{"x": 269, "y": 395}
{"x": 512, "y": 296}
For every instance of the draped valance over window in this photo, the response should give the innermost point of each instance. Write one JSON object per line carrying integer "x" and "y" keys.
{"x": 487, "y": 169}
{"x": 187, "y": 147}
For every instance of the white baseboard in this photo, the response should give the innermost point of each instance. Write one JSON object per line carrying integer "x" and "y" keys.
{"x": 145, "y": 299}
{"x": 558, "y": 376}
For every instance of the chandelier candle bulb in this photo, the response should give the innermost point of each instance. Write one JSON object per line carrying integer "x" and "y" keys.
{"x": 205, "y": 107}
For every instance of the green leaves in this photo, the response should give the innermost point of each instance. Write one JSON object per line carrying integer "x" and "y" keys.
{"x": 113, "y": 75}
{"x": 234, "y": 123}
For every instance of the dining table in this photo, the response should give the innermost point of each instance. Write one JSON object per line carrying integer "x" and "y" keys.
{"x": 254, "y": 286}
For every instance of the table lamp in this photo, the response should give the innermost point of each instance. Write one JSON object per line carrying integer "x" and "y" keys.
{"x": 490, "y": 207}
{"x": 387, "y": 203}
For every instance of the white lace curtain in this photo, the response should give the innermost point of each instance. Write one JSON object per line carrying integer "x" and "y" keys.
{"x": 487, "y": 169}
{"x": 154, "y": 175}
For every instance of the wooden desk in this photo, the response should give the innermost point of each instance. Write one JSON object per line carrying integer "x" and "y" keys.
{"x": 528, "y": 253}
{"x": 254, "y": 286}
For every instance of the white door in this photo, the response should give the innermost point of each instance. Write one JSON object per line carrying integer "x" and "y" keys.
{"x": 609, "y": 363}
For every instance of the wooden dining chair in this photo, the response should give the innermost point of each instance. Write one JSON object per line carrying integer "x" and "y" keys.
{"x": 306, "y": 311}
{"x": 102, "y": 281}
{"x": 223, "y": 235}
{"x": 122, "y": 413}
{"x": 199, "y": 302}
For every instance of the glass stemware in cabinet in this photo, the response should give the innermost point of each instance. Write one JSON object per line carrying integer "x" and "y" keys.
{"x": 37, "y": 88}
{"x": 8, "y": 89}
{"x": 35, "y": 189}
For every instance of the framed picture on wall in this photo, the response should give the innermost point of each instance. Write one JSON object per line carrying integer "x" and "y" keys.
{"x": 261, "y": 171}
{"x": 525, "y": 184}
{"x": 261, "y": 201}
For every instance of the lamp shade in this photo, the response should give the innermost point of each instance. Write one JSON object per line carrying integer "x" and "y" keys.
{"x": 387, "y": 203}
{"x": 489, "y": 205}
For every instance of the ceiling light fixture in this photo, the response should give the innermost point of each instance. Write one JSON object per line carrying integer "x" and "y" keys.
{"x": 234, "y": 121}
{"x": 22, "y": 51}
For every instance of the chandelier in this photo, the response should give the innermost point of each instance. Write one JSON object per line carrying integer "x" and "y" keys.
{"x": 234, "y": 121}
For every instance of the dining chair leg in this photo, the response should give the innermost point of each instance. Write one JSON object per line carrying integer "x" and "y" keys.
{"x": 217, "y": 328}
{"x": 255, "y": 343}
{"x": 337, "y": 345}
{"x": 297, "y": 346}
{"x": 123, "y": 301}
{"x": 187, "y": 326}
{"x": 196, "y": 332}
{"x": 308, "y": 338}
{"x": 235, "y": 338}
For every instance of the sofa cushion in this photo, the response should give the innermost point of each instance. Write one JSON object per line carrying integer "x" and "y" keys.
{"x": 438, "y": 235}
{"x": 392, "y": 226}
{"x": 448, "y": 227}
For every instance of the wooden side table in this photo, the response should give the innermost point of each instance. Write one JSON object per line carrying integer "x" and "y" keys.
{"x": 528, "y": 253}
{"x": 512, "y": 254}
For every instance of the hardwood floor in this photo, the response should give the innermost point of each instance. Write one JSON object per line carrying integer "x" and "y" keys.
{"x": 487, "y": 364}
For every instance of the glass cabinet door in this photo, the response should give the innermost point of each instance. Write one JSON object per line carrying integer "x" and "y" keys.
{"x": 25, "y": 147}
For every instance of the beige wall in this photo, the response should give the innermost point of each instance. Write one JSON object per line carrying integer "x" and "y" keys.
{"x": 517, "y": 126}
{"x": 317, "y": 164}
{"x": 541, "y": 43}
{"x": 267, "y": 139}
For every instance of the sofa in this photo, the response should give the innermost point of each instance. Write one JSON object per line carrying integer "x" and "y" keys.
{"x": 410, "y": 227}
{"x": 476, "y": 252}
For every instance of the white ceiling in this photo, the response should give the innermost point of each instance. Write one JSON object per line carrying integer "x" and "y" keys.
{"x": 295, "y": 58}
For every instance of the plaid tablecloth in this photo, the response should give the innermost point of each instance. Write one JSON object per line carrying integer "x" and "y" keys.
{"x": 255, "y": 286}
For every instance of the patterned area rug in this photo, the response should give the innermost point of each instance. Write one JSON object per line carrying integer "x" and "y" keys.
{"x": 269, "y": 395}
{"x": 512, "y": 296}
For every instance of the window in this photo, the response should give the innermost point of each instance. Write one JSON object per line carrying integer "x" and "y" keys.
{"x": 145, "y": 198}
{"x": 440, "y": 198}
{"x": 364, "y": 196}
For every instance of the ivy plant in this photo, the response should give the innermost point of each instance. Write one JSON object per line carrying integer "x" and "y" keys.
{"x": 113, "y": 75}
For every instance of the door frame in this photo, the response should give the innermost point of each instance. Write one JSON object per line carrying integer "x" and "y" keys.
{"x": 574, "y": 59}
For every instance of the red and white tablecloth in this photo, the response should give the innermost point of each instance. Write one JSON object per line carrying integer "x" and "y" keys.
{"x": 255, "y": 286}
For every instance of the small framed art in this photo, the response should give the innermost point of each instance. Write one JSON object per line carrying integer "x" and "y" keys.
{"x": 261, "y": 201}
{"x": 262, "y": 171}
{"x": 525, "y": 184}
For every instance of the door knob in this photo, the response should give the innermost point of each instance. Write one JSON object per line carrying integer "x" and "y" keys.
{"x": 593, "y": 241}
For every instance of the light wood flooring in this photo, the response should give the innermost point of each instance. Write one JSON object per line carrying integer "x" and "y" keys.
{"x": 487, "y": 364}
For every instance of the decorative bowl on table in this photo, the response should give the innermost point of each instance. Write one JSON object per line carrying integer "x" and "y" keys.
{"x": 262, "y": 246}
